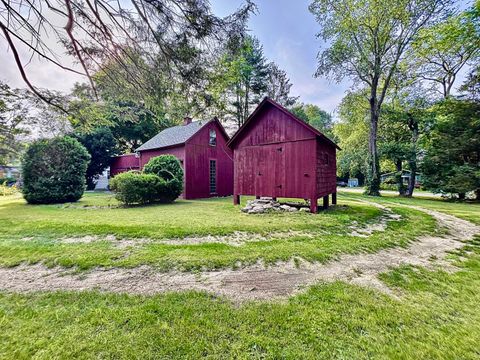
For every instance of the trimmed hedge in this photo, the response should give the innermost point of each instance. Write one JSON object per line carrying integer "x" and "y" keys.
{"x": 169, "y": 169}
{"x": 54, "y": 171}
{"x": 165, "y": 166}
{"x": 161, "y": 181}
{"x": 134, "y": 187}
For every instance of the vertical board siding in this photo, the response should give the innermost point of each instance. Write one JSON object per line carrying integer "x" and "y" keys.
{"x": 177, "y": 151}
{"x": 195, "y": 155}
{"x": 122, "y": 163}
{"x": 277, "y": 156}
{"x": 198, "y": 154}
{"x": 326, "y": 173}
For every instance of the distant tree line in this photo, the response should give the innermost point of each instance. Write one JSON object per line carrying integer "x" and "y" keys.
{"x": 405, "y": 58}
{"x": 147, "y": 64}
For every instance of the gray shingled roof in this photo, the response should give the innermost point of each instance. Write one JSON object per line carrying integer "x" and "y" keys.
{"x": 175, "y": 135}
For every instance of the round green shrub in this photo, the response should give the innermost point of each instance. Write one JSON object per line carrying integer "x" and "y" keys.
{"x": 54, "y": 171}
{"x": 165, "y": 166}
{"x": 169, "y": 169}
{"x": 133, "y": 187}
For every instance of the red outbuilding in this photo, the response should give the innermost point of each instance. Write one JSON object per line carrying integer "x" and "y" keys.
{"x": 201, "y": 148}
{"x": 278, "y": 155}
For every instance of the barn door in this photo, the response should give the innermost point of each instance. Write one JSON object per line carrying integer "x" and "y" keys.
{"x": 279, "y": 154}
{"x": 269, "y": 170}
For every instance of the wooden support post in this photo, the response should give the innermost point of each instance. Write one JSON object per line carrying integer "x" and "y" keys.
{"x": 257, "y": 197}
{"x": 236, "y": 199}
{"x": 325, "y": 202}
{"x": 313, "y": 205}
{"x": 334, "y": 198}
{"x": 274, "y": 198}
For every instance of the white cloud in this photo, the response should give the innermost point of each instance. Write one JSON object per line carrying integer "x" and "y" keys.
{"x": 40, "y": 72}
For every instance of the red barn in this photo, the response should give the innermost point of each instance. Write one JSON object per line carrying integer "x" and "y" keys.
{"x": 201, "y": 147}
{"x": 278, "y": 155}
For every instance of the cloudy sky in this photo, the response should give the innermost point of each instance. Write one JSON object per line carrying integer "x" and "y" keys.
{"x": 285, "y": 28}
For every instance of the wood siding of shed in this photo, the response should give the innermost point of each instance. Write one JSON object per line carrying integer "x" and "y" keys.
{"x": 123, "y": 163}
{"x": 326, "y": 172}
{"x": 198, "y": 154}
{"x": 277, "y": 156}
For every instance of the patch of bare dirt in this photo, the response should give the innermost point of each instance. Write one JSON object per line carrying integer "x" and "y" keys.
{"x": 378, "y": 226}
{"x": 238, "y": 238}
{"x": 255, "y": 282}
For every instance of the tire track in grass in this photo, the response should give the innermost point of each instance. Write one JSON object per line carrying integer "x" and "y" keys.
{"x": 255, "y": 282}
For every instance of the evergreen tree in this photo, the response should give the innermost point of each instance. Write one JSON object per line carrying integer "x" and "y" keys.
{"x": 241, "y": 78}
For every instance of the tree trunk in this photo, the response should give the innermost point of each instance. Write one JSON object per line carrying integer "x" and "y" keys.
{"x": 477, "y": 194}
{"x": 413, "y": 126}
{"x": 412, "y": 178}
{"x": 461, "y": 196}
{"x": 373, "y": 178}
{"x": 91, "y": 183}
{"x": 399, "y": 179}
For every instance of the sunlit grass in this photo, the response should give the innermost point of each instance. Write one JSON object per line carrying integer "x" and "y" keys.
{"x": 437, "y": 317}
{"x": 33, "y": 234}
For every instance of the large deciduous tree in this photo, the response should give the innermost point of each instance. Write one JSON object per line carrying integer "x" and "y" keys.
{"x": 351, "y": 132}
{"x": 313, "y": 115}
{"x": 404, "y": 119}
{"x": 12, "y": 117}
{"x": 367, "y": 40}
{"x": 441, "y": 51}
{"x": 24, "y": 117}
{"x": 131, "y": 123}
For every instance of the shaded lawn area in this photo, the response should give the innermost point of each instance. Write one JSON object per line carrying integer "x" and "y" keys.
{"x": 31, "y": 233}
{"x": 437, "y": 317}
{"x": 465, "y": 210}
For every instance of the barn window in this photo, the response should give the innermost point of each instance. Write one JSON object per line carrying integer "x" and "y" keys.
{"x": 213, "y": 176}
{"x": 325, "y": 159}
{"x": 213, "y": 138}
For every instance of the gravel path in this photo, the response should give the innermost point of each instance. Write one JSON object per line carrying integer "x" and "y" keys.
{"x": 255, "y": 282}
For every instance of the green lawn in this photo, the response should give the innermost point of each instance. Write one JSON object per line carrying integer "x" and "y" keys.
{"x": 467, "y": 211}
{"x": 436, "y": 317}
{"x": 33, "y": 233}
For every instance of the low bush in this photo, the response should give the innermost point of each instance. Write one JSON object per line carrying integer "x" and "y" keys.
{"x": 387, "y": 186}
{"x": 134, "y": 187}
{"x": 169, "y": 169}
{"x": 160, "y": 181}
{"x": 54, "y": 171}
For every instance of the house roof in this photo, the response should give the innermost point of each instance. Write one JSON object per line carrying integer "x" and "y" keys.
{"x": 175, "y": 135}
{"x": 178, "y": 135}
{"x": 284, "y": 110}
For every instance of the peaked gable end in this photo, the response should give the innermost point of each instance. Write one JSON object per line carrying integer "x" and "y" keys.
{"x": 201, "y": 136}
{"x": 272, "y": 123}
